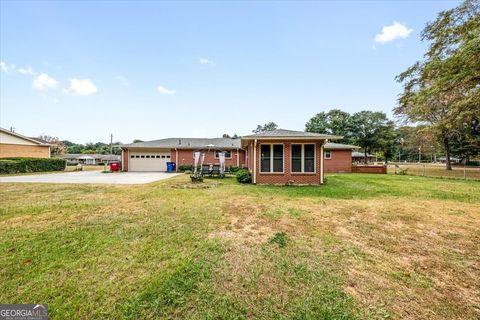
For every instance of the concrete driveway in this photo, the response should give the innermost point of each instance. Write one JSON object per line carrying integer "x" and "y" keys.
{"x": 96, "y": 177}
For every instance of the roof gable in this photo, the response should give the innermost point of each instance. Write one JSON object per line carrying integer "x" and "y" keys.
{"x": 283, "y": 133}
{"x": 10, "y": 137}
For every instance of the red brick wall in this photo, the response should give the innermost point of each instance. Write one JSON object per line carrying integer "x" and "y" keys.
{"x": 287, "y": 175}
{"x": 340, "y": 162}
{"x": 22, "y": 150}
{"x": 185, "y": 157}
{"x": 370, "y": 169}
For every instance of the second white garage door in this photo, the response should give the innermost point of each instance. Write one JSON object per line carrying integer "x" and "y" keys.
{"x": 148, "y": 161}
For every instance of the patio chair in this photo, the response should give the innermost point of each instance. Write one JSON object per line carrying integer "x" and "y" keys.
{"x": 215, "y": 169}
{"x": 205, "y": 169}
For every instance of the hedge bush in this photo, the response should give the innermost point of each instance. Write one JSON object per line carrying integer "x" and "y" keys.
{"x": 233, "y": 169}
{"x": 21, "y": 165}
{"x": 243, "y": 176}
{"x": 185, "y": 167}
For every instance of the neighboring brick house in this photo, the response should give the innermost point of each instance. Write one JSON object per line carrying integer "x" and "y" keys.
{"x": 360, "y": 157}
{"x": 89, "y": 159}
{"x": 14, "y": 145}
{"x": 297, "y": 155}
{"x": 338, "y": 157}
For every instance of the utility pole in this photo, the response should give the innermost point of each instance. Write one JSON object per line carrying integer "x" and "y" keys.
{"x": 111, "y": 147}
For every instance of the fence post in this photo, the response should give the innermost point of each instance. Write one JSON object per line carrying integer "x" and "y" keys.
{"x": 424, "y": 169}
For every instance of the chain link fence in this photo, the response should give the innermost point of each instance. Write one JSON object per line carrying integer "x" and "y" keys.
{"x": 435, "y": 170}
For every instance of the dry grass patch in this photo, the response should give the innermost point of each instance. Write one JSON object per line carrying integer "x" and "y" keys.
{"x": 362, "y": 246}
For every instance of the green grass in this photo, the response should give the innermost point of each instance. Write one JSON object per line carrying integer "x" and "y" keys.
{"x": 367, "y": 186}
{"x": 221, "y": 250}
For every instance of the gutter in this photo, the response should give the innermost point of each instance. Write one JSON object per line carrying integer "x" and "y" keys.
{"x": 255, "y": 161}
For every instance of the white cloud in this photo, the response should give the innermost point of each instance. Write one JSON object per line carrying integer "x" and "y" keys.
{"x": 164, "y": 90}
{"x": 44, "y": 82}
{"x": 81, "y": 87}
{"x": 5, "y": 67}
{"x": 393, "y": 32}
{"x": 27, "y": 70}
{"x": 123, "y": 80}
{"x": 206, "y": 62}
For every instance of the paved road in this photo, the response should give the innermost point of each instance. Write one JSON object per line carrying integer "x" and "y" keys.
{"x": 92, "y": 177}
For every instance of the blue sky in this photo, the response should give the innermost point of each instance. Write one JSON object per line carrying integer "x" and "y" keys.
{"x": 81, "y": 70}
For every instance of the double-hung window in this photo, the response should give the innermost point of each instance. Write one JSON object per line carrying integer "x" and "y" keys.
{"x": 228, "y": 154}
{"x": 271, "y": 158}
{"x": 303, "y": 158}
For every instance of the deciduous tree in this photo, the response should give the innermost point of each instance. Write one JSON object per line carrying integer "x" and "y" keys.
{"x": 443, "y": 89}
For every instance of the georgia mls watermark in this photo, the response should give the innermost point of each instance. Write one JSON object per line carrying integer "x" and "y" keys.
{"x": 23, "y": 312}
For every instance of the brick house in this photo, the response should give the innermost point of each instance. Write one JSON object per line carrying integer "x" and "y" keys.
{"x": 154, "y": 155}
{"x": 296, "y": 156}
{"x": 338, "y": 157}
{"x": 13, "y": 145}
{"x": 286, "y": 156}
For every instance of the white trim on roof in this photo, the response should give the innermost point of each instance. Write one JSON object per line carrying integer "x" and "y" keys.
{"x": 23, "y": 137}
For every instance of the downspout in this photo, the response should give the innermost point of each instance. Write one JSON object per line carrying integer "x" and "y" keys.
{"x": 176, "y": 160}
{"x": 238, "y": 159}
{"x": 321, "y": 161}
{"x": 255, "y": 161}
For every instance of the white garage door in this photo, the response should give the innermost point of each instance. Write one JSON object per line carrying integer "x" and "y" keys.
{"x": 148, "y": 161}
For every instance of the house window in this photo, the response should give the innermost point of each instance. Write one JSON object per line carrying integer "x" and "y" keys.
{"x": 228, "y": 154}
{"x": 303, "y": 158}
{"x": 328, "y": 154}
{"x": 132, "y": 156}
{"x": 168, "y": 157}
{"x": 271, "y": 158}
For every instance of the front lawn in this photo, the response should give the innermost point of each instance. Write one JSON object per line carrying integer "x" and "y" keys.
{"x": 360, "y": 247}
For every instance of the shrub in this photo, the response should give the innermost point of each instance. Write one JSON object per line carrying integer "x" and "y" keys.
{"x": 243, "y": 176}
{"x": 184, "y": 167}
{"x": 473, "y": 163}
{"x": 188, "y": 171}
{"x": 233, "y": 169}
{"x": 21, "y": 165}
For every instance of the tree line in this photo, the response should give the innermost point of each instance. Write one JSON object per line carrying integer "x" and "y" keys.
{"x": 59, "y": 147}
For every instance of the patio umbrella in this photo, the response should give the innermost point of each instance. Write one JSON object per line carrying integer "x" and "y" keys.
{"x": 196, "y": 156}
{"x": 221, "y": 157}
